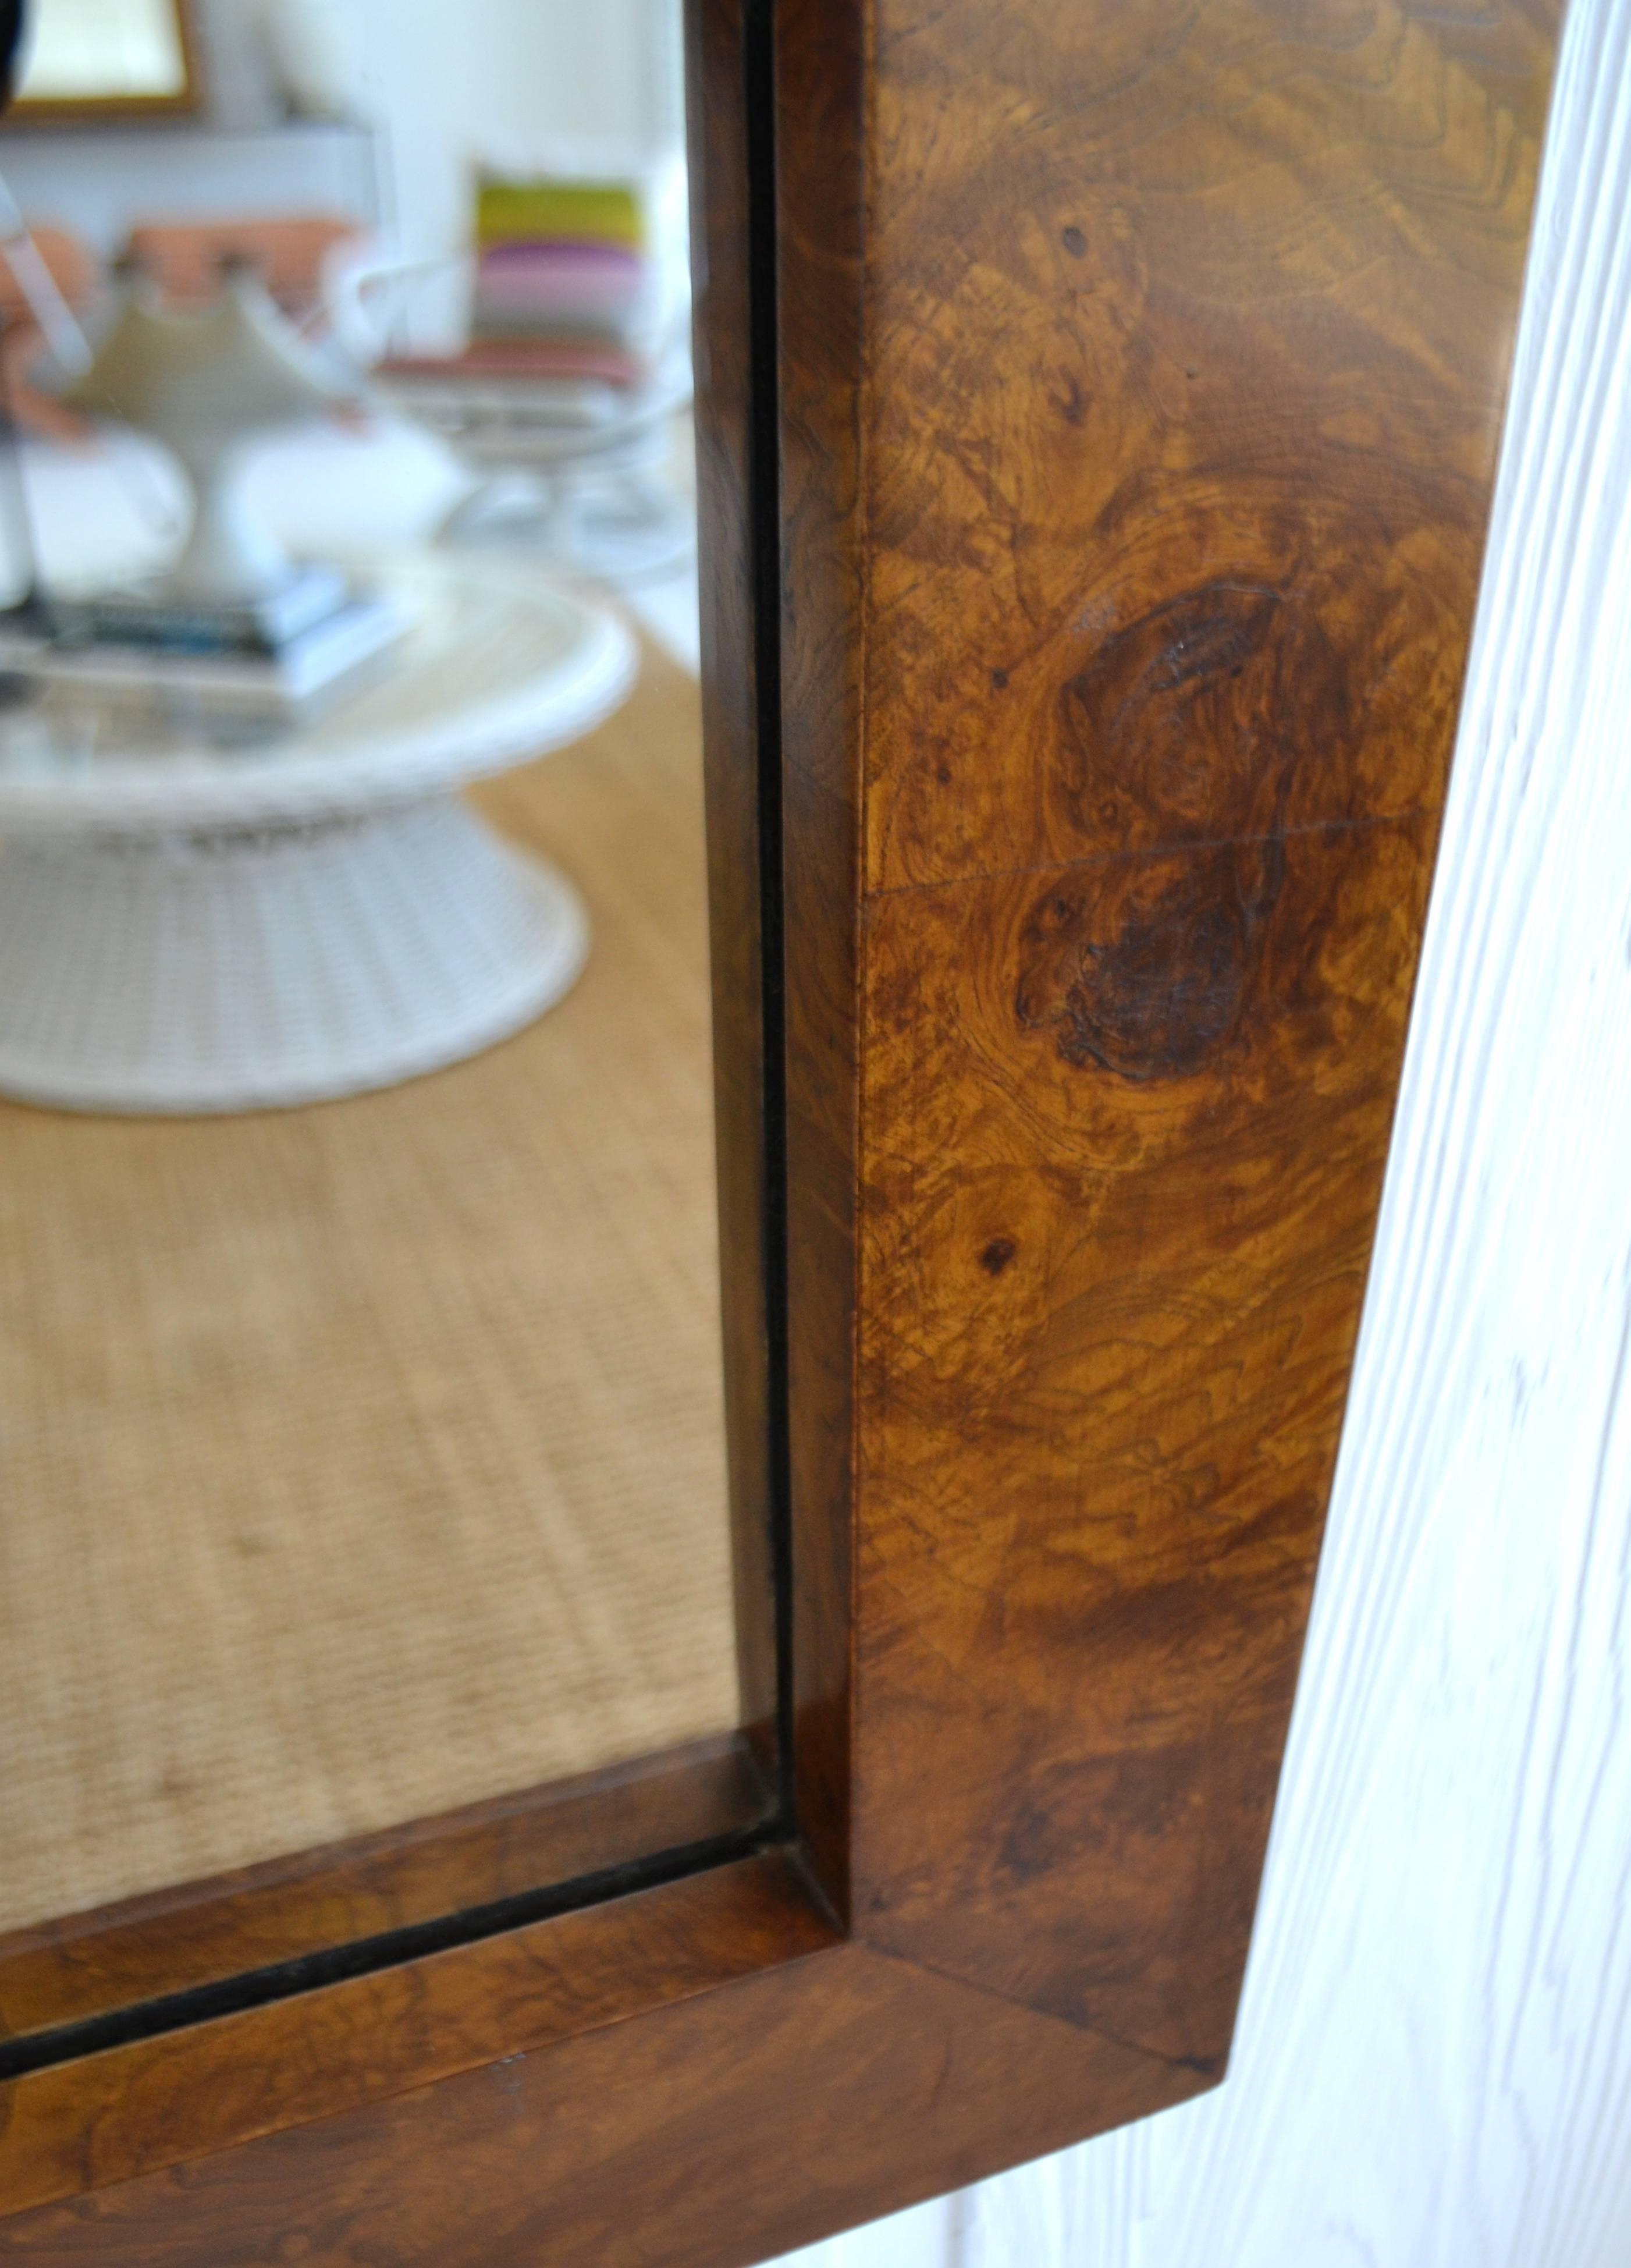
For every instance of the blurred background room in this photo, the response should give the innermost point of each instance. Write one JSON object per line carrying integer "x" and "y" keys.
{"x": 527, "y": 371}
{"x": 364, "y": 1457}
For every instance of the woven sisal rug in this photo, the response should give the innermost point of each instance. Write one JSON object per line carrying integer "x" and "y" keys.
{"x": 362, "y": 1461}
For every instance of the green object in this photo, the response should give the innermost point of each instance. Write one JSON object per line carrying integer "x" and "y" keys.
{"x": 559, "y": 211}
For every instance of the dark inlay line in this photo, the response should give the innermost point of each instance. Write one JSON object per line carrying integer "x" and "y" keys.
{"x": 758, "y": 88}
{"x": 339, "y": 1964}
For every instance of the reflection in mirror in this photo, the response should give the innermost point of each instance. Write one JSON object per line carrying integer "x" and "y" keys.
{"x": 79, "y": 57}
{"x": 364, "y": 1456}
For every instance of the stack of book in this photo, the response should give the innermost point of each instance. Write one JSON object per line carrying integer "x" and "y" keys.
{"x": 564, "y": 280}
{"x": 313, "y": 635}
{"x": 564, "y": 270}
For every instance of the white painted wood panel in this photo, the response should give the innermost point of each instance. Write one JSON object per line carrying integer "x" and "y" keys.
{"x": 1434, "y": 2063}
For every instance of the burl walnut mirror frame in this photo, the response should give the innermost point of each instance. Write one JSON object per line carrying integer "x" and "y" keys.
{"x": 1100, "y": 409}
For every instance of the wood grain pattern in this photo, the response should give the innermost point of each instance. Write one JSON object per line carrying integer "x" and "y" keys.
{"x": 720, "y": 2131}
{"x": 1188, "y": 331}
{"x": 176, "y": 1941}
{"x": 1141, "y": 372}
{"x": 1187, "y": 335}
{"x": 819, "y": 95}
{"x": 108, "y": 2119}
{"x": 1133, "y": 1300}
{"x": 1432, "y": 2056}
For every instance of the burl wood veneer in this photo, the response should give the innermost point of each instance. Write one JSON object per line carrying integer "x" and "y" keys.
{"x": 1143, "y": 399}
{"x": 1090, "y": 608}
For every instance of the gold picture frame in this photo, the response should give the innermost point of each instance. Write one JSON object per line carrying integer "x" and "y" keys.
{"x": 87, "y": 63}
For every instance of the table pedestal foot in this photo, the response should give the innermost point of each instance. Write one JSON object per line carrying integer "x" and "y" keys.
{"x": 254, "y": 968}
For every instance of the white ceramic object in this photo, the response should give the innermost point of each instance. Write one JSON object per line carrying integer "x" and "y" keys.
{"x": 190, "y": 926}
{"x": 117, "y": 511}
{"x": 206, "y": 383}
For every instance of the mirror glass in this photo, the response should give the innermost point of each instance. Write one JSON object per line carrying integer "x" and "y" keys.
{"x": 364, "y": 1499}
{"x": 79, "y": 56}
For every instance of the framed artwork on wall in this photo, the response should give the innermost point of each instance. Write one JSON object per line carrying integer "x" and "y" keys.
{"x": 82, "y": 60}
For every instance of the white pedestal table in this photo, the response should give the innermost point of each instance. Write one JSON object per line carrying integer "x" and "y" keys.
{"x": 196, "y": 919}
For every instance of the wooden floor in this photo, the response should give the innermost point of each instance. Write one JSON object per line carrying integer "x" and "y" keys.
{"x": 360, "y": 1462}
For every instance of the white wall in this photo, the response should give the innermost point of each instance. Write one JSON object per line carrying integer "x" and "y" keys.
{"x": 506, "y": 83}
{"x": 1433, "y": 2068}
{"x": 509, "y": 84}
